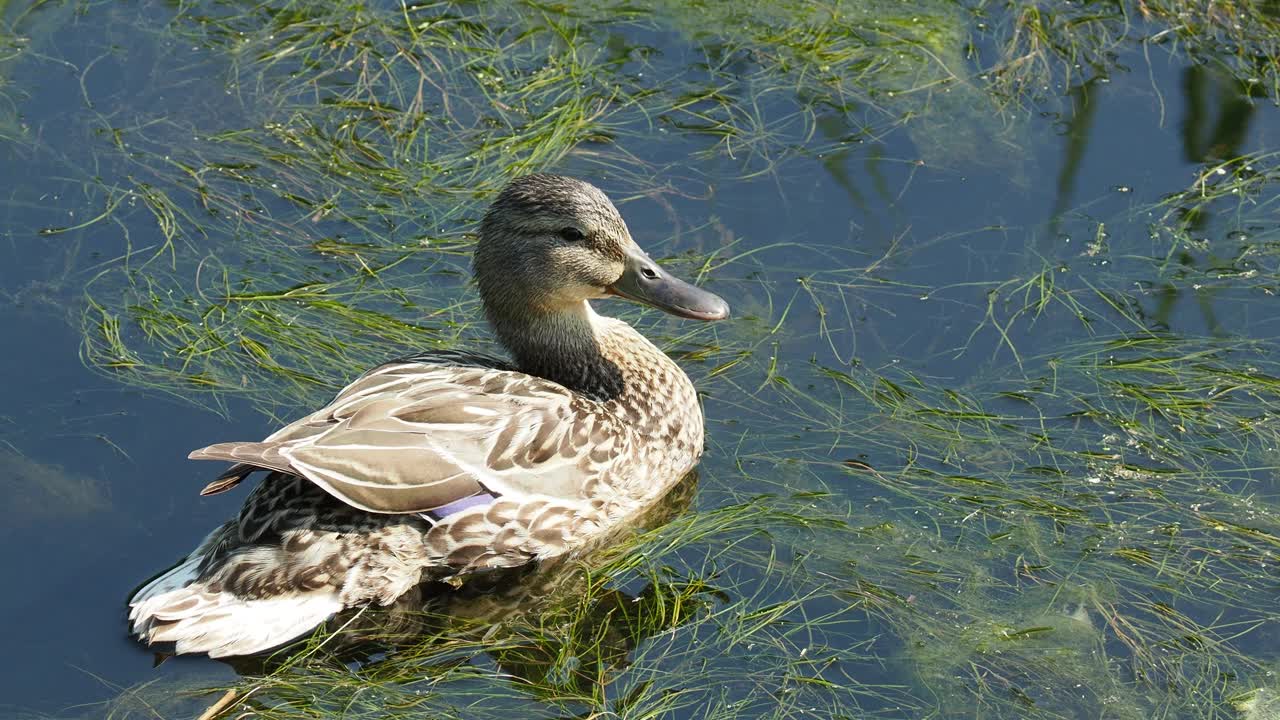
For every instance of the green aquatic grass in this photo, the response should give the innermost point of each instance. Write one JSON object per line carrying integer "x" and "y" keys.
{"x": 1085, "y": 581}
{"x": 1044, "y": 545}
{"x": 1219, "y": 235}
{"x": 1078, "y": 514}
{"x": 339, "y": 190}
{"x": 1084, "y": 526}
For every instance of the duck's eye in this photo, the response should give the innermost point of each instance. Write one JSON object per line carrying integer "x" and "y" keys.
{"x": 572, "y": 234}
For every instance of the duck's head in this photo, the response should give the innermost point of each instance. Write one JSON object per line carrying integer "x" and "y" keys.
{"x": 548, "y": 243}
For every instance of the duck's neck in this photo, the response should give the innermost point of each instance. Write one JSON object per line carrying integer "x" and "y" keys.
{"x": 562, "y": 346}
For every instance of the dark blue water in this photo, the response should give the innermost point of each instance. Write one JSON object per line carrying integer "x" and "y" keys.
{"x": 950, "y": 225}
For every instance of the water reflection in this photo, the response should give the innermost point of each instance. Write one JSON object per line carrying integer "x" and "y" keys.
{"x": 1215, "y": 127}
{"x": 34, "y": 494}
{"x": 1084, "y": 103}
{"x": 1219, "y": 109}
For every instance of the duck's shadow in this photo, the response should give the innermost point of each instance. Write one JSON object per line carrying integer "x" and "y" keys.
{"x": 556, "y": 625}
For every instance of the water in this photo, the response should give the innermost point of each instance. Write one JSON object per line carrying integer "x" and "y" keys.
{"x": 927, "y": 244}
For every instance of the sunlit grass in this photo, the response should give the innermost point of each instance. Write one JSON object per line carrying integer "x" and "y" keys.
{"x": 1085, "y": 526}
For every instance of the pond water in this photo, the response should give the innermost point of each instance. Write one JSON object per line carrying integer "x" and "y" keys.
{"x": 991, "y": 433}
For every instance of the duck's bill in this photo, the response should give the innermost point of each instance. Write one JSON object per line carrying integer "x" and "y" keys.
{"x": 643, "y": 280}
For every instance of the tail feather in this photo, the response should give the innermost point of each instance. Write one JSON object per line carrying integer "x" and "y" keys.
{"x": 229, "y": 479}
{"x": 258, "y": 454}
{"x": 177, "y": 607}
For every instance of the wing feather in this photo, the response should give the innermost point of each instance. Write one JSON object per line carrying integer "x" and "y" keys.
{"x": 409, "y": 437}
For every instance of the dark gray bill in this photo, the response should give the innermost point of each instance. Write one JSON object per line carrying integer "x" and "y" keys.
{"x": 644, "y": 281}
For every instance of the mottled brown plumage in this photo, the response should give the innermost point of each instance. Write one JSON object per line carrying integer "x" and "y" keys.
{"x": 448, "y": 463}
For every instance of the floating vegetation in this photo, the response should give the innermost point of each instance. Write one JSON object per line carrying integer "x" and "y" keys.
{"x": 1057, "y": 497}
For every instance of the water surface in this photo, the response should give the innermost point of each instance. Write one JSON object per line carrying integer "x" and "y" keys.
{"x": 990, "y": 433}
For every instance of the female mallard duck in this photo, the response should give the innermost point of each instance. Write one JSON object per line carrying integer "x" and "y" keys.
{"x": 447, "y": 463}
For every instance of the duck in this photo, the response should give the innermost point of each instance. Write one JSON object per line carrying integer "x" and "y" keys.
{"x": 446, "y": 464}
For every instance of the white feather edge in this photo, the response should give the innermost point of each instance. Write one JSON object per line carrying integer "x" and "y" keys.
{"x": 176, "y": 608}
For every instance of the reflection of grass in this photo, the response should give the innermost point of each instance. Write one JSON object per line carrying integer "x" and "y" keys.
{"x": 1043, "y": 41}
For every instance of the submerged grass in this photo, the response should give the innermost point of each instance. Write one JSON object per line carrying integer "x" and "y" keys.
{"x": 1083, "y": 521}
{"x": 392, "y": 128}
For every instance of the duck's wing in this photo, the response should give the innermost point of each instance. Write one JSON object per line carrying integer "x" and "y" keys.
{"x": 254, "y": 452}
{"x": 411, "y": 437}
